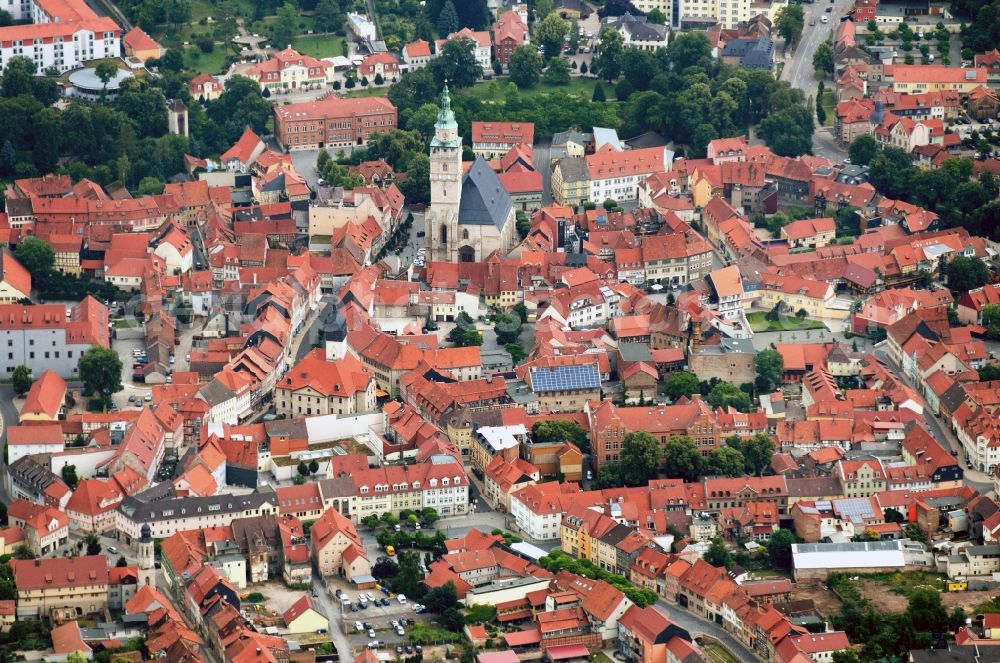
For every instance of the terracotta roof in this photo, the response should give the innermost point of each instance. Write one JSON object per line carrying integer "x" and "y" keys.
{"x": 13, "y": 273}
{"x": 47, "y": 434}
{"x": 298, "y": 608}
{"x": 334, "y": 107}
{"x": 417, "y": 49}
{"x": 136, "y": 39}
{"x": 45, "y": 396}
{"x": 503, "y": 132}
{"x": 60, "y": 572}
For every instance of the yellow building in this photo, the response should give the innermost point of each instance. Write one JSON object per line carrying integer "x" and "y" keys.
{"x": 141, "y": 46}
{"x": 571, "y": 181}
{"x": 815, "y": 297}
{"x": 77, "y": 586}
{"x": 920, "y": 78}
{"x": 304, "y": 617}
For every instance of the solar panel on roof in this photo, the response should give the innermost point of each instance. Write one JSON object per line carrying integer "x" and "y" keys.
{"x": 564, "y": 378}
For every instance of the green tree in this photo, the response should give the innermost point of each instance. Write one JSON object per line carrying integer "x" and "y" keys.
{"x": 863, "y": 150}
{"x": 105, "y": 71}
{"x": 846, "y": 656}
{"x": 93, "y": 544}
{"x": 680, "y": 383}
{"x": 788, "y": 132}
{"x": 894, "y": 516}
{"x": 407, "y": 580}
{"x": 682, "y": 459}
{"x": 441, "y": 598}
{"x": 560, "y": 430}
{"x": 789, "y": 23}
{"x": 967, "y": 273}
{"x": 718, "y": 554}
{"x": 507, "y": 328}
{"x": 429, "y": 515}
{"x": 823, "y": 59}
{"x": 313, "y": 467}
{"x": 452, "y": 620}
{"x": 542, "y": 9}
{"x": 390, "y": 519}
{"x": 302, "y": 469}
{"x": 598, "y": 95}
{"x": 557, "y": 72}
{"x": 757, "y": 452}
{"x": 456, "y": 63}
{"x": 23, "y": 552}
{"x": 36, "y": 256}
{"x": 516, "y": 351}
{"x": 21, "y": 380}
{"x": 525, "y": 67}
{"x": 725, "y": 461}
{"x": 770, "y": 367}
{"x": 779, "y": 548}
{"x": 551, "y": 34}
{"x": 610, "y": 55}
{"x": 521, "y": 311}
{"x": 370, "y": 521}
{"x": 991, "y": 320}
{"x": 284, "y": 28}
{"x": 18, "y": 76}
{"x": 688, "y": 49}
{"x": 926, "y": 611}
{"x": 100, "y": 369}
{"x": 447, "y": 21}
{"x": 656, "y": 17}
{"x": 726, "y": 395}
{"x": 330, "y": 17}
{"x": 639, "y": 458}
{"x": 417, "y": 186}
{"x": 151, "y": 186}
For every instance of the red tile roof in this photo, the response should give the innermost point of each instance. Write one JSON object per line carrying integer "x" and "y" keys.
{"x": 45, "y": 396}
{"x": 60, "y": 572}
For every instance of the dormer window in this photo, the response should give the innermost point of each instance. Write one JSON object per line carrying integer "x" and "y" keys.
{"x": 433, "y": 483}
{"x": 364, "y": 489}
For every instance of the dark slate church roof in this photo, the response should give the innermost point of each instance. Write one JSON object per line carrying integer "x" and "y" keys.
{"x": 484, "y": 201}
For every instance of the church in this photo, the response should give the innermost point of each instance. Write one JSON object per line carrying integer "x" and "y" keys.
{"x": 471, "y": 216}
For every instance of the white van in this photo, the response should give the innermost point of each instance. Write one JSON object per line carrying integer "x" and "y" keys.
{"x": 824, "y": 19}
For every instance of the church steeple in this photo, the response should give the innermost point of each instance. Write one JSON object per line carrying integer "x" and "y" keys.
{"x": 446, "y": 128}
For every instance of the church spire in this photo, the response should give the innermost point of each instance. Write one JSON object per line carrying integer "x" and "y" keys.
{"x": 446, "y": 118}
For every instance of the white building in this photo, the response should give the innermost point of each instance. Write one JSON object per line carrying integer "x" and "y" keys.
{"x": 63, "y": 34}
{"x": 617, "y": 175}
{"x": 537, "y": 511}
{"x": 362, "y": 28}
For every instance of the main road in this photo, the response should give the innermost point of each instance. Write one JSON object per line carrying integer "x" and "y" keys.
{"x": 799, "y": 72}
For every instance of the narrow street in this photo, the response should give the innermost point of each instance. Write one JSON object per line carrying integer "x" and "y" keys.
{"x": 699, "y": 627}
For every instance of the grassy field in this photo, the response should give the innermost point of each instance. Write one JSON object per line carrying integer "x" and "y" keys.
{"x": 319, "y": 46}
{"x": 209, "y": 63}
{"x": 759, "y": 323}
{"x": 720, "y": 654}
{"x": 829, "y": 104}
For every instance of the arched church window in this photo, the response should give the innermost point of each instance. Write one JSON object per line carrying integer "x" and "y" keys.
{"x": 465, "y": 233}
{"x": 444, "y": 234}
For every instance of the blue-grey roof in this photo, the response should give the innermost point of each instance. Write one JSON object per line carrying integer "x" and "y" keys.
{"x": 563, "y": 378}
{"x": 484, "y": 201}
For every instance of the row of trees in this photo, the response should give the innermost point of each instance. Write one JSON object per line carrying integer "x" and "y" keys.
{"x": 643, "y": 458}
{"x": 691, "y": 98}
{"x": 949, "y": 190}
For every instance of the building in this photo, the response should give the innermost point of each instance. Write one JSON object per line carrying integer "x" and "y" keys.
{"x": 918, "y": 78}
{"x": 290, "y": 70}
{"x": 492, "y": 140}
{"x": 571, "y": 181}
{"x": 509, "y": 32}
{"x": 617, "y": 175}
{"x": 15, "y": 280}
{"x": 304, "y": 617}
{"x": 205, "y": 87}
{"x": 45, "y": 399}
{"x": 416, "y": 54}
{"x": 64, "y": 34}
{"x": 316, "y": 386}
{"x": 61, "y": 586}
{"x": 379, "y": 64}
{"x": 481, "y": 43}
{"x": 332, "y": 122}
{"x": 42, "y": 336}
{"x": 141, "y": 46}
{"x": 565, "y": 388}
{"x": 471, "y": 216}
{"x": 809, "y": 233}
{"x": 336, "y": 549}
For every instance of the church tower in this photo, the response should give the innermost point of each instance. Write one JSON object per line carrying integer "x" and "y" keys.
{"x": 441, "y": 223}
{"x": 146, "y": 553}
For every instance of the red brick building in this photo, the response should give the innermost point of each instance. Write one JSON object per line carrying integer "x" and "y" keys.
{"x": 865, "y": 10}
{"x": 332, "y": 122}
{"x": 509, "y": 32}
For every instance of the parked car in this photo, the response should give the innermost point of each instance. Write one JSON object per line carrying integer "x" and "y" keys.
{"x": 358, "y": 627}
{"x": 371, "y": 633}
{"x": 400, "y": 632}
{"x": 401, "y": 598}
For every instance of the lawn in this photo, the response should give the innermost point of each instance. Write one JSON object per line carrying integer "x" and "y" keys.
{"x": 829, "y": 105}
{"x": 319, "y": 46}
{"x": 209, "y": 63}
{"x": 759, "y": 323}
{"x": 720, "y": 654}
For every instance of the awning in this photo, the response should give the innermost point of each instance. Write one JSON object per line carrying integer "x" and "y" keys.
{"x": 564, "y": 652}
{"x": 511, "y": 616}
{"x": 522, "y": 638}
{"x": 381, "y": 394}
